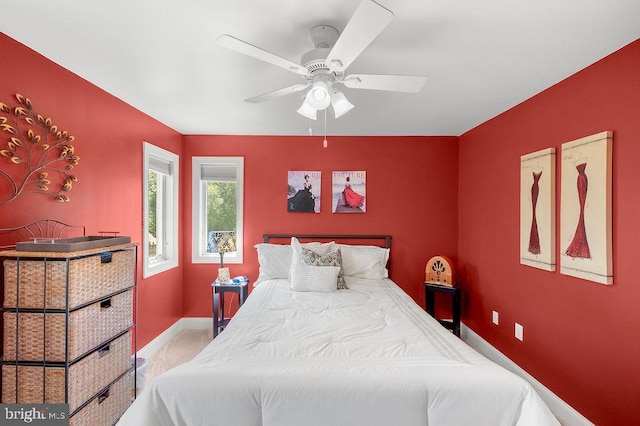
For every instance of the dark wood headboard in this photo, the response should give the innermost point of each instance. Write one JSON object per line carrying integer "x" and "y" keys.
{"x": 382, "y": 240}
{"x": 339, "y": 237}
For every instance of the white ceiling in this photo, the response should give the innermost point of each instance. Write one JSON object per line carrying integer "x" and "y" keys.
{"x": 481, "y": 57}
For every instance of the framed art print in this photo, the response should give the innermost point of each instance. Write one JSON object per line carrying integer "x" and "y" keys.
{"x": 585, "y": 205}
{"x": 303, "y": 191}
{"x": 349, "y": 190}
{"x": 538, "y": 209}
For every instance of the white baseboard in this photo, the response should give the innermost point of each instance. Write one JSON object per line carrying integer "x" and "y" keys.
{"x": 565, "y": 414}
{"x": 182, "y": 324}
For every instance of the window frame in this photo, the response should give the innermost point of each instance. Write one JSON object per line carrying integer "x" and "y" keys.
{"x": 170, "y": 201}
{"x": 198, "y": 252}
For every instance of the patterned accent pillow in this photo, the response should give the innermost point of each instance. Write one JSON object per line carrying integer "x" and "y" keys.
{"x": 334, "y": 258}
{"x": 296, "y": 249}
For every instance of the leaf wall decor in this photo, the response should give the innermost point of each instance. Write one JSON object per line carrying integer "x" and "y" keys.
{"x": 35, "y": 156}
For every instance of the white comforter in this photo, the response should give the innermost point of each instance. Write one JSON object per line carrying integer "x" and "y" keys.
{"x": 364, "y": 356}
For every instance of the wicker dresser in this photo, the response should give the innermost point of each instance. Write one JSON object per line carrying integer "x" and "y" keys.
{"x": 68, "y": 329}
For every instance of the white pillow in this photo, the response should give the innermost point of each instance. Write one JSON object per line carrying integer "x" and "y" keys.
{"x": 318, "y": 248}
{"x": 322, "y": 279}
{"x": 364, "y": 261}
{"x": 274, "y": 261}
{"x": 333, "y": 258}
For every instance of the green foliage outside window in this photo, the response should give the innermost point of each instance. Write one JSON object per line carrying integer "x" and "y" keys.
{"x": 221, "y": 206}
{"x": 152, "y": 219}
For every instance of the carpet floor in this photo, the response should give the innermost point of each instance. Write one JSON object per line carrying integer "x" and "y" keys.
{"x": 180, "y": 349}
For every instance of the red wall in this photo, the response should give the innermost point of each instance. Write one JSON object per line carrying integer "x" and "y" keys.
{"x": 580, "y": 337}
{"x": 108, "y": 195}
{"x": 411, "y": 194}
{"x": 108, "y": 138}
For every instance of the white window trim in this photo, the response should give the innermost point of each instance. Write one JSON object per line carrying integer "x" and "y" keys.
{"x": 171, "y": 235}
{"x": 198, "y": 251}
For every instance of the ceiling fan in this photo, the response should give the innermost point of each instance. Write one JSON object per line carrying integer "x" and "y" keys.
{"x": 324, "y": 67}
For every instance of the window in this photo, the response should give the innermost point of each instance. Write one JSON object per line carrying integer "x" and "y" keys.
{"x": 217, "y": 206}
{"x": 160, "y": 191}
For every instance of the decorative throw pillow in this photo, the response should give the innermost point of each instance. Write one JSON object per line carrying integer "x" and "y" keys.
{"x": 296, "y": 250}
{"x": 314, "y": 278}
{"x": 333, "y": 258}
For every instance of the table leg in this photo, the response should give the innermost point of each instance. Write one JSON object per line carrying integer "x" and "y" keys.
{"x": 430, "y": 301}
{"x": 244, "y": 293}
{"x": 221, "y": 307}
{"x": 456, "y": 313}
{"x": 216, "y": 312}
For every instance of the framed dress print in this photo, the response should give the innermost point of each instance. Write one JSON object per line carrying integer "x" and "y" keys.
{"x": 585, "y": 205}
{"x": 349, "y": 191}
{"x": 303, "y": 191}
{"x": 538, "y": 209}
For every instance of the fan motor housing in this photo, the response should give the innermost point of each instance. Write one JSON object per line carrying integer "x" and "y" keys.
{"x": 313, "y": 60}
{"x": 324, "y": 36}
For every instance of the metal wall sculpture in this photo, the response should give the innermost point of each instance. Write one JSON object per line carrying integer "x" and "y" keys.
{"x": 37, "y": 156}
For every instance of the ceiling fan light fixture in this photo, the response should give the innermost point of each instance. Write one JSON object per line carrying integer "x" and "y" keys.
{"x": 340, "y": 104}
{"x": 319, "y": 93}
{"x": 318, "y": 97}
{"x": 307, "y": 111}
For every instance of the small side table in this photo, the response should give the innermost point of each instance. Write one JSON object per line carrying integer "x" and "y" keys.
{"x": 217, "y": 294}
{"x": 430, "y": 291}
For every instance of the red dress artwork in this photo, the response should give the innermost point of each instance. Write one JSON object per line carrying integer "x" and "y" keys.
{"x": 534, "y": 238}
{"x": 579, "y": 246}
{"x": 352, "y": 198}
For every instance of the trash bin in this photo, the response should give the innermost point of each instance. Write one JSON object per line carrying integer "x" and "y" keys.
{"x": 140, "y": 365}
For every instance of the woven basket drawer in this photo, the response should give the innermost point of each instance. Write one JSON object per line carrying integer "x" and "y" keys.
{"x": 88, "y": 327}
{"x": 86, "y": 377}
{"x": 107, "y": 408}
{"x": 89, "y": 278}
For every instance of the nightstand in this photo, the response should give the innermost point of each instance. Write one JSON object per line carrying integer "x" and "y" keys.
{"x": 430, "y": 291}
{"x": 217, "y": 294}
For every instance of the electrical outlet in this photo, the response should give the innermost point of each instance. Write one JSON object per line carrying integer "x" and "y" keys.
{"x": 519, "y": 332}
{"x": 496, "y": 318}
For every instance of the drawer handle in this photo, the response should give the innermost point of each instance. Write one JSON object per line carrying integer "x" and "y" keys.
{"x": 105, "y": 304}
{"x": 104, "y": 395}
{"x": 104, "y": 350}
{"x": 106, "y": 257}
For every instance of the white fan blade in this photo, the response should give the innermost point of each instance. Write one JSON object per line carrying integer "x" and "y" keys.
{"x": 368, "y": 21}
{"x": 248, "y": 49}
{"x": 394, "y": 83}
{"x": 277, "y": 93}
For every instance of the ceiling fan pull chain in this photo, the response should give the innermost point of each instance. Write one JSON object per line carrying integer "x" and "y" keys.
{"x": 325, "y": 143}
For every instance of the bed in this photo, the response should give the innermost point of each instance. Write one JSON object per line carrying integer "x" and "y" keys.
{"x": 300, "y": 351}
